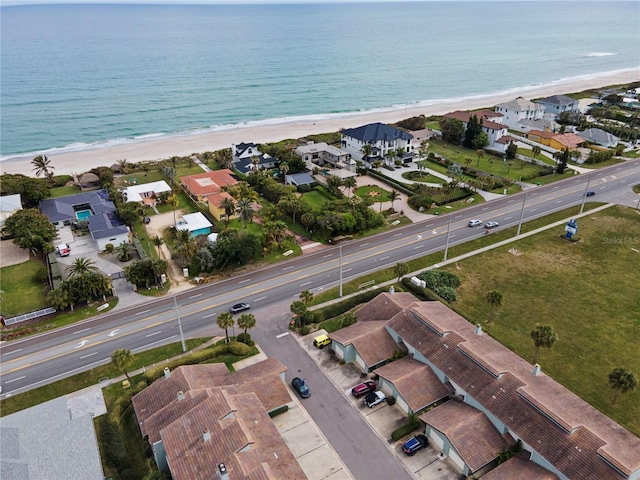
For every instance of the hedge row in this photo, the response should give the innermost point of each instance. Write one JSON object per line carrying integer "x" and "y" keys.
{"x": 422, "y": 293}
{"x": 196, "y": 357}
{"x": 335, "y": 309}
{"x": 404, "y": 430}
{"x": 391, "y": 182}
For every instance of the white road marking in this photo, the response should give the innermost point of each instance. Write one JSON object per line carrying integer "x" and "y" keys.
{"x": 452, "y": 235}
{"x": 90, "y": 355}
{"x": 288, "y": 268}
{"x": 327, "y": 256}
{"x": 81, "y": 344}
{"x": 196, "y": 295}
{"x": 13, "y": 351}
{"x": 428, "y": 225}
{"x": 144, "y": 311}
{"x": 509, "y": 201}
{"x": 113, "y": 333}
{"x": 347, "y": 270}
{"x": 556, "y": 187}
{"x": 507, "y": 218}
{"x": 418, "y": 246}
{"x": 397, "y": 234}
{"x": 258, "y": 299}
{"x": 364, "y": 244}
{"x": 559, "y": 201}
{"x": 305, "y": 283}
{"x": 485, "y": 208}
{"x": 15, "y": 379}
{"x": 154, "y": 333}
{"x": 282, "y": 335}
{"x": 153, "y": 343}
{"x": 80, "y": 331}
{"x": 533, "y": 210}
{"x": 384, "y": 258}
{"x": 244, "y": 281}
{"x": 210, "y": 315}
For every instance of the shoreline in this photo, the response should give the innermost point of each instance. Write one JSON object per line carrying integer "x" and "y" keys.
{"x": 77, "y": 162}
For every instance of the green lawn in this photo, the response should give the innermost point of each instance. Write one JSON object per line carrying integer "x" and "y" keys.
{"x": 64, "y": 191}
{"x": 21, "y": 292}
{"x": 184, "y": 203}
{"x": 595, "y": 166}
{"x": 315, "y": 198}
{"x": 373, "y": 192}
{"x": 417, "y": 176}
{"x": 585, "y": 291}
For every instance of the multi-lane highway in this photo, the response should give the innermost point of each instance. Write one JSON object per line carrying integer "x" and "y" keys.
{"x": 40, "y": 359}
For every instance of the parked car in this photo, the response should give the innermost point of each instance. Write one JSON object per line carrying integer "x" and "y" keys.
{"x": 590, "y": 193}
{"x": 491, "y": 224}
{"x": 363, "y": 388}
{"x": 239, "y": 307}
{"x": 64, "y": 250}
{"x": 414, "y": 444}
{"x": 475, "y": 222}
{"x": 300, "y": 386}
{"x": 374, "y": 398}
{"x": 321, "y": 341}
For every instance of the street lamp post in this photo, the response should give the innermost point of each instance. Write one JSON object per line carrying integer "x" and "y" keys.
{"x": 584, "y": 197}
{"x": 175, "y": 303}
{"x": 446, "y": 246}
{"x": 340, "y": 270}
{"x": 521, "y": 214}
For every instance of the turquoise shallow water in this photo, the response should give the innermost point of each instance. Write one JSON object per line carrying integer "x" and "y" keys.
{"x": 80, "y": 76}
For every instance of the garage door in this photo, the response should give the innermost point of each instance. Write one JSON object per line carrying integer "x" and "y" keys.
{"x": 436, "y": 439}
{"x": 453, "y": 455}
{"x": 402, "y": 404}
{"x": 360, "y": 362}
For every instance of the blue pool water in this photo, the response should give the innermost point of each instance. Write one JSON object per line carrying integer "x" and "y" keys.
{"x": 83, "y": 214}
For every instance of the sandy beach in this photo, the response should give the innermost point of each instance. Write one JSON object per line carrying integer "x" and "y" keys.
{"x": 158, "y": 149}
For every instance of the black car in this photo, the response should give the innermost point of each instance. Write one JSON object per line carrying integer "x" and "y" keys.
{"x": 414, "y": 444}
{"x": 590, "y": 193}
{"x": 301, "y": 387}
{"x": 239, "y": 307}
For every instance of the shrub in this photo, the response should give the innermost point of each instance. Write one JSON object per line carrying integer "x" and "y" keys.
{"x": 308, "y": 318}
{"x": 245, "y": 338}
{"x": 116, "y": 451}
{"x": 239, "y": 349}
{"x": 278, "y": 411}
{"x": 391, "y": 401}
{"x": 305, "y": 330}
{"x": 402, "y": 431}
{"x": 349, "y": 319}
{"x": 448, "y": 293}
{"x": 347, "y": 304}
{"x": 436, "y": 277}
{"x": 109, "y": 247}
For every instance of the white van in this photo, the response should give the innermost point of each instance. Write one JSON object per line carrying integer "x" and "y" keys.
{"x": 64, "y": 250}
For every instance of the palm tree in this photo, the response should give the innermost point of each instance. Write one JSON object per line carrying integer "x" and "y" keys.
{"x": 122, "y": 358}
{"x": 225, "y": 159}
{"x": 467, "y": 162}
{"x": 543, "y": 336}
{"x": 393, "y": 196}
{"x": 123, "y": 165}
{"x": 284, "y": 168}
{"x": 536, "y": 150}
{"x": 246, "y": 321}
{"x": 173, "y": 201}
{"x": 622, "y": 380}
{"x": 349, "y": 183}
{"x": 59, "y": 298}
{"x": 122, "y": 252}
{"x": 229, "y": 207}
{"x": 494, "y": 299}
{"x": 42, "y": 165}
{"x": 391, "y": 156}
{"x": 306, "y": 297}
{"x": 367, "y": 150}
{"x": 185, "y": 243}
{"x": 255, "y": 162}
{"x": 81, "y": 266}
{"x": 401, "y": 269}
{"x": 225, "y": 321}
{"x": 479, "y": 154}
{"x": 423, "y": 151}
{"x": 245, "y": 210}
{"x": 298, "y": 308}
{"x": 333, "y": 184}
{"x": 157, "y": 241}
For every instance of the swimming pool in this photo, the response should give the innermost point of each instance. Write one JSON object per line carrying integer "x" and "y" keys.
{"x": 83, "y": 214}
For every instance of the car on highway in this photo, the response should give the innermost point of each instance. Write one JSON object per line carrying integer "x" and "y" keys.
{"x": 300, "y": 386}
{"x": 374, "y": 398}
{"x": 475, "y": 222}
{"x": 491, "y": 224}
{"x": 590, "y": 193}
{"x": 239, "y": 307}
{"x": 411, "y": 446}
{"x": 363, "y": 388}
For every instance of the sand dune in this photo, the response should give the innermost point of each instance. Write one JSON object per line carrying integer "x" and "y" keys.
{"x": 158, "y": 149}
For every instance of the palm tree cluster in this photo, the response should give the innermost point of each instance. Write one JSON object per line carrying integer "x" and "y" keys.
{"x": 85, "y": 283}
{"x": 42, "y": 166}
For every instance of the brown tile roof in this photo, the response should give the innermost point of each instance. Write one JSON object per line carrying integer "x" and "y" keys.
{"x": 562, "y": 428}
{"x": 519, "y": 467}
{"x": 483, "y": 115}
{"x": 207, "y": 183}
{"x": 242, "y": 436}
{"x": 384, "y": 306}
{"x": 506, "y": 139}
{"x": 215, "y": 199}
{"x": 569, "y": 140}
{"x": 470, "y": 431}
{"x": 371, "y": 339}
{"x": 541, "y": 134}
{"x": 415, "y": 381}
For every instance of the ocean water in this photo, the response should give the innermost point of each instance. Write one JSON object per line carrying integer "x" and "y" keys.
{"x": 75, "y": 77}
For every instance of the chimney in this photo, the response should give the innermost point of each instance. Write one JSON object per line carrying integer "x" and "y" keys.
{"x": 167, "y": 372}
{"x": 206, "y": 435}
{"x": 222, "y": 472}
{"x": 536, "y": 369}
{"x": 180, "y": 395}
{"x": 478, "y": 329}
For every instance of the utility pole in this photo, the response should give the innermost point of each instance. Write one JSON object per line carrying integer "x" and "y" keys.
{"x": 446, "y": 246}
{"x": 175, "y": 303}
{"x": 521, "y": 214}
{"x": 340, "y": 270}
{"x": 584, "y": 197}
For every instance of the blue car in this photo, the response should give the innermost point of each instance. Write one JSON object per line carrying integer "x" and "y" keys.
{"x": 300, "y": 386}
{"x": 414, "y": 444}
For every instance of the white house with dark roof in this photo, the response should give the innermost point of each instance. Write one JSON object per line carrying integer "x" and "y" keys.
{"x": 557, "y": 104}
{"x": 519, "y": 109}
{"x": 244, "y": 155}
{"x": 322, "y": 153}
{"x": 508, "y": 399}
{"x": 491, "y": 124}
{"x": 382, "y": 139}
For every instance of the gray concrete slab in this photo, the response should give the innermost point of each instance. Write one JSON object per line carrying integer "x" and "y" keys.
{"x": 11, "y": 254}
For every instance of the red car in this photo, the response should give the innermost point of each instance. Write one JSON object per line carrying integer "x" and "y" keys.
{"x": 363, "y": 388}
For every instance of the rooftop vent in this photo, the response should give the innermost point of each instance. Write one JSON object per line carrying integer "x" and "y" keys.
{"x": 222, "y": 472}
{"x": 536, "y": 369}
{"x": 206, "y": 435}
{"x": 180, "y": 395}
{"x": 478, "y": 329}
{"x": 167, "y": 372}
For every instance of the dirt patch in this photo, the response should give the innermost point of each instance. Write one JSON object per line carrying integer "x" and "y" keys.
{"x": 12, "y": 254}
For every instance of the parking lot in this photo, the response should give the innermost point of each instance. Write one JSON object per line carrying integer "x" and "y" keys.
{"x": 383, "y": 418}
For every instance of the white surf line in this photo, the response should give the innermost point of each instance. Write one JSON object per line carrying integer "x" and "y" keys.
{"x": 282, "y": 335}
{"x": 90, "y": 355}
{"x": 16, "y": 379}
{"x": 11, "y": 352}
{"x": 288, "y": 268}
{"x": 305, "y": 283}
{"x": 244, "y": 281}
{"x": 196, "y": 295}
{"x": 144, "y": 311}
{"x": 154, "y": 333}
{"x": 80, "y": 331}
{"x": 153, "y": 343}
{"x": 262, "y": 298}
{"x": 210, "y": 315}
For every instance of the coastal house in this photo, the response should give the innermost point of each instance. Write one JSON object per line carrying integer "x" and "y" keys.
{"x": 491, "y": 125}
{"x": 492, "y": 398}
{"x": 557, "y": 141}
{"x": 9, "y": 204}
{"x": 195, "y": 223}
{"x": 522, "y": 115}
{"x": 323, "y": 154}
{"x": 95, "y": 208}
{"x": 215, "y": 204}
{"x": 247, "y": 157}
{"x": 201, "y": 185}
{"x": 382, "y": 139}
{"x": 598, "y": 136}
{"x": 199, "y": 417}
{"x": 145, "y": 193}
{"x": 299, "y": 179}
{"x": 557, "y": 104}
